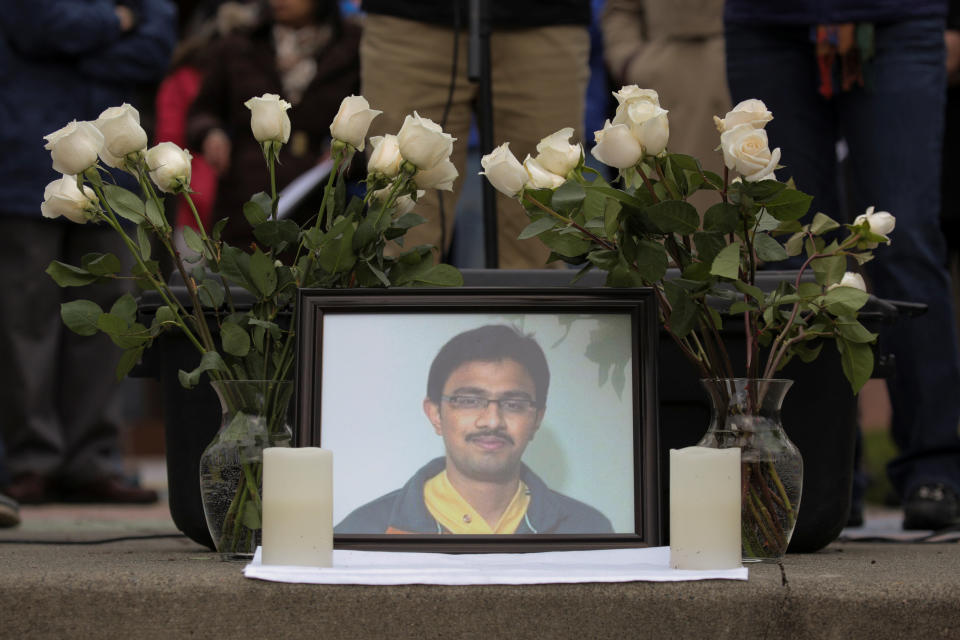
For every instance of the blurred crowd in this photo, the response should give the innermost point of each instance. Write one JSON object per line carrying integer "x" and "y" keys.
{"x": 864, "y": 97}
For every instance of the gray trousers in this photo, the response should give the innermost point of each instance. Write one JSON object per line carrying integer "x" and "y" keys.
{"x": 59, "y": 401}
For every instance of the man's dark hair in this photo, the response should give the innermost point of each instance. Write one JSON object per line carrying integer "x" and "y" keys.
{"x": 489, "y": 343}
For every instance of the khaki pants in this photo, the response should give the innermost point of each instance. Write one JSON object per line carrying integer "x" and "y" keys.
{"x": 539, "y": 80}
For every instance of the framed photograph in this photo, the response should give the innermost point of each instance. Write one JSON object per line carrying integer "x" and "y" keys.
{"x": 479, "y": 419}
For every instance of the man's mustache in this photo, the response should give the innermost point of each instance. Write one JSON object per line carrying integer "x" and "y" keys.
{"x": 503, "y": 435}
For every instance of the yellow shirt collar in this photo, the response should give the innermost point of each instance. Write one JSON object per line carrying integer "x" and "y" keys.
{"x": 456, "y": 515}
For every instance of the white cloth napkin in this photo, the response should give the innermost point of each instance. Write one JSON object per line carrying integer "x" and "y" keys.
{"x": 390, "y": 567}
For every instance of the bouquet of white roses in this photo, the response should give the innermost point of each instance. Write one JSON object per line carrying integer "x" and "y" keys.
{"x": 343, "y": 245}
{"x": 637, "y": 231}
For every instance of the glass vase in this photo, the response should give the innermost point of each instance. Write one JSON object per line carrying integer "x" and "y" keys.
{"x": 746, "y": 414}
{"x": 256, "y": 414}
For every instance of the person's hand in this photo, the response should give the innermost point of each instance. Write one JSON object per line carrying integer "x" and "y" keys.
{"x": 951, "y": 38}
{"x": 126, "y": 16}
{"x": 216, "y": 150}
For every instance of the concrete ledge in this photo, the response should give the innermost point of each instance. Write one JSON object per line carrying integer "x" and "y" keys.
{"x": 171, "y": 587}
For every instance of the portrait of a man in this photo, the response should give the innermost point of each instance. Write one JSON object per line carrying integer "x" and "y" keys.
{"x": 486, "y": 398}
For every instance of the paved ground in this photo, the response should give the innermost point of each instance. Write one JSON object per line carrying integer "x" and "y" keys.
{"x": 154, "y": 583}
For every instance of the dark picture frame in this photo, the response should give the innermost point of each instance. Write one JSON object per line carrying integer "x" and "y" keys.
{"x": 364, "y": 351}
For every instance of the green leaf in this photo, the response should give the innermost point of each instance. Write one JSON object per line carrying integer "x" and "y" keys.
{"x": 765, "y": 189}
{"x": 143, "y": 242}
{"x": 128, "y": 360}
{"x": 683, "y": 315}
{"x": 251, "y": 516}
{"x": 623, "y": 276}
{"x": 842, "y": 301}
{"x": 124, "y": 204}
{"x": 568, "y": 197}
{"x": 101, "y": 264}
{"x": 263, "y": 273}
{"x": 235, "y": 340}
{"x": 727, "y": 262}
{"x": 594, "y": 205}
{"x": 794, "y": 246}
{"x": 125, "y": 307}
{"x": 80, "y": 316}
{"x": 853, "y": 331}
{"x": 336, "y": 251}
{"x": 257, "y": 209}
{"x": 766, "y": 222}
{"x": 408, "y": 221}
{"x": 651, "y": 260}
{"x": 822, "y": 223}
{"x": 155, "y": 215}
{"x": 211, "y": 293}
{"x": 789, "y": 204}
{"x": 674, "y": 216}
{"x": 611, "y": 217}
{"x": 749, "y": 290}
{"x": 829, "y": 270}
{"x": 67, "y": 275}
{"x": 768, "y": 249}
{"x": 440, "y": 275}
{"x": 709, "y": 244}
{"x": 623, "y": 197}
{"x": 537, "y": 227}
{"x": 604, "y": 258}
{"x": 570, "y": 245}
{"x": 193, "y": 239}
{"x": 211, "y": 361}
{"x": 235, "y": 266}
{"x": 809, "y": 290}
{"x": 277, "y": 234}
{"x": 856, "y": 359}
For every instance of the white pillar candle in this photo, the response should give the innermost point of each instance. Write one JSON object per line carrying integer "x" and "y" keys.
{"x": 297, "y": 507}
{"x": 705, "y": 508}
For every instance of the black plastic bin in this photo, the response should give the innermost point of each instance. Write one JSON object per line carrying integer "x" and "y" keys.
{"x": 819, "y": 412}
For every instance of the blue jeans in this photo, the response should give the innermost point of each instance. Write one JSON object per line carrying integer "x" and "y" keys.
{"x": 894, "y": 131}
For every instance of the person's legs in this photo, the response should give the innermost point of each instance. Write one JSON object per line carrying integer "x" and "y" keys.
{"x": 539, "y": 86}
{"x": 895, "y": 133}
{"x": 30, "y": 329}
{"x": 405, "y": 66}
{"x": 87, "y": 387}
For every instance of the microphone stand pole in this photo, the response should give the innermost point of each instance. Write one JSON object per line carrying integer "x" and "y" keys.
{"x": 478, "y": 70}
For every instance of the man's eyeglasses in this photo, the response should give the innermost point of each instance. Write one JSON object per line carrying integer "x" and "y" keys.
{"x": 509, "y": 406}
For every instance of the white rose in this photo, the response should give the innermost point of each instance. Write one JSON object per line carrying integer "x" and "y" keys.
{"x": 63, "y": 198}
{"x": 746, "y": 150}
{"x": 75, "y": 147}
{"x": 648, "y": 123}
{"x": 504, "y": 171}
{"x": 385, "y": 157}
{"x": 423, "y": 142}
{"x": 881, "y": 222}
{"x": 540, "y": 178}
{"x": 616, "y": 146}
{"x": 169, "y": 166}
{"x": 632, "y": 92}
{"x": 268, "y": 118}
{"x": 122, "y": 134}
{"x": 403, "y": 204}
{"x": 352, "y": 121}
{"x": 557, "y": 155}
{"x": 850, "y": 279}
{"x": 439, "y": 176}
{"x": 752, "y": 112}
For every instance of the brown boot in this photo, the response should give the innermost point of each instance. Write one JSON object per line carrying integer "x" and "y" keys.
{"x": 107, "y": 490}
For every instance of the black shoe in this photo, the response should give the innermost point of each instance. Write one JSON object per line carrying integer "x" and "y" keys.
{"x": 106, "y": 490}
{"x": 31, "y": 488}
{"x": 931, "y": 506}
{"x": 9, "y": 512}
